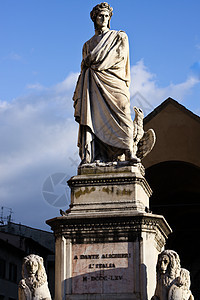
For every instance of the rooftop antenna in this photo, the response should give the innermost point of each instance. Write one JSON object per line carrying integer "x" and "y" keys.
{"x": 6, "y": 215}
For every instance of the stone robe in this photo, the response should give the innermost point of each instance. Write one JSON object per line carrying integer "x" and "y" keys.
{"x": 101, "y": 98}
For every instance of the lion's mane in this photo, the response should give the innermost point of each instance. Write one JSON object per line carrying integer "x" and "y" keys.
{"x": 174, "y": 267}
{"x": 167, "y": 278}
{"x": 33, "y": 286}
{"x": 40, "y": 276}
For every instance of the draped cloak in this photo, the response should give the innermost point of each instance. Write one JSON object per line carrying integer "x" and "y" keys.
{"x": 101, "y": 98}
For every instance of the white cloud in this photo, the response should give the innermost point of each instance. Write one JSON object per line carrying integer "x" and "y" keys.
{"x": 150, "y": 94}
{"x": 13, "y": 56}
{"x": 4, "y": 105}
{"x": 67, "y": 84}
{"x": 36, "y": 86}
{"x": 39, "y": 135}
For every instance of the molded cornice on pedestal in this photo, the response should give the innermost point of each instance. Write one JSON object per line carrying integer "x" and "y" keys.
{"x": 127, "y": 228}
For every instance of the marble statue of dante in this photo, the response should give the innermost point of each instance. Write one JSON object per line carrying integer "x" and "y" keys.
{"x": 101, "y": 98}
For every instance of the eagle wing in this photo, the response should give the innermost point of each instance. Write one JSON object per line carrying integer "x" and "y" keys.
{"x": 146, "y": 143}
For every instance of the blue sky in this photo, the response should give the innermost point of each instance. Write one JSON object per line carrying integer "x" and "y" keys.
{"x": 41, "y": 41}
{"x": 40, "y": 56}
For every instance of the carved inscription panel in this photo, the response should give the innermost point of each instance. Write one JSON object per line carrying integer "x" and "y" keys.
{"x": 102, "y": 268}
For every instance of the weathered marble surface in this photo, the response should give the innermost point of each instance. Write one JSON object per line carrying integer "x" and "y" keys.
{"x": 108, "y": 241}
{"x": 138, "y": 237}
{"x": 180, "y": 290}
{"x": 34, "y": 284}
{"x": 104, "y": 268}
{"x": 173, "y": 282}
{"x": 101, "y": 98}
{"x": 109, "y": 190}
{"x": 143, "y": 142}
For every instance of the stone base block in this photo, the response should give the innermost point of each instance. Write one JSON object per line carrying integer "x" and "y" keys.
{"x": 109, "y": 190}
{"x": 107, "y": 243}
{"x": 107, "y": 257}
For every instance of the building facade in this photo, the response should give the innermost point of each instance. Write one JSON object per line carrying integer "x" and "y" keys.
{"x": 18, "y": 241}
{"x": 173, "y": 172}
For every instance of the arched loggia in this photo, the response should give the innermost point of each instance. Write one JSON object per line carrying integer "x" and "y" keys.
{"x": 176, "y": 196}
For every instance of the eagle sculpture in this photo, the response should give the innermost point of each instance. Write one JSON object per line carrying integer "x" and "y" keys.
{"x": 143, "y": 141}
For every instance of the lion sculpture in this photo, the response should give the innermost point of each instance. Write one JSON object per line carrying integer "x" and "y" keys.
{"x": 34, "y": 284}
{"x": 173, "y": 282}
{"x": 168, "y": 269}
{"x": 181, "y": 288}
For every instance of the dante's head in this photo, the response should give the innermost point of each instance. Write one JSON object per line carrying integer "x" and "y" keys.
{"x": 101, "y": 15}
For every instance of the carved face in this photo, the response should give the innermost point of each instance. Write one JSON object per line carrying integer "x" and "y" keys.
{"x": 102, "y": 19}
{"x": 163, "y": 264}
{"x": 32, "y": 267}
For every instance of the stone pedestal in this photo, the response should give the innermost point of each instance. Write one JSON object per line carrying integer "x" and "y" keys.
{"x": 108, "y": 242}
{"x": 109, "y": 190}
